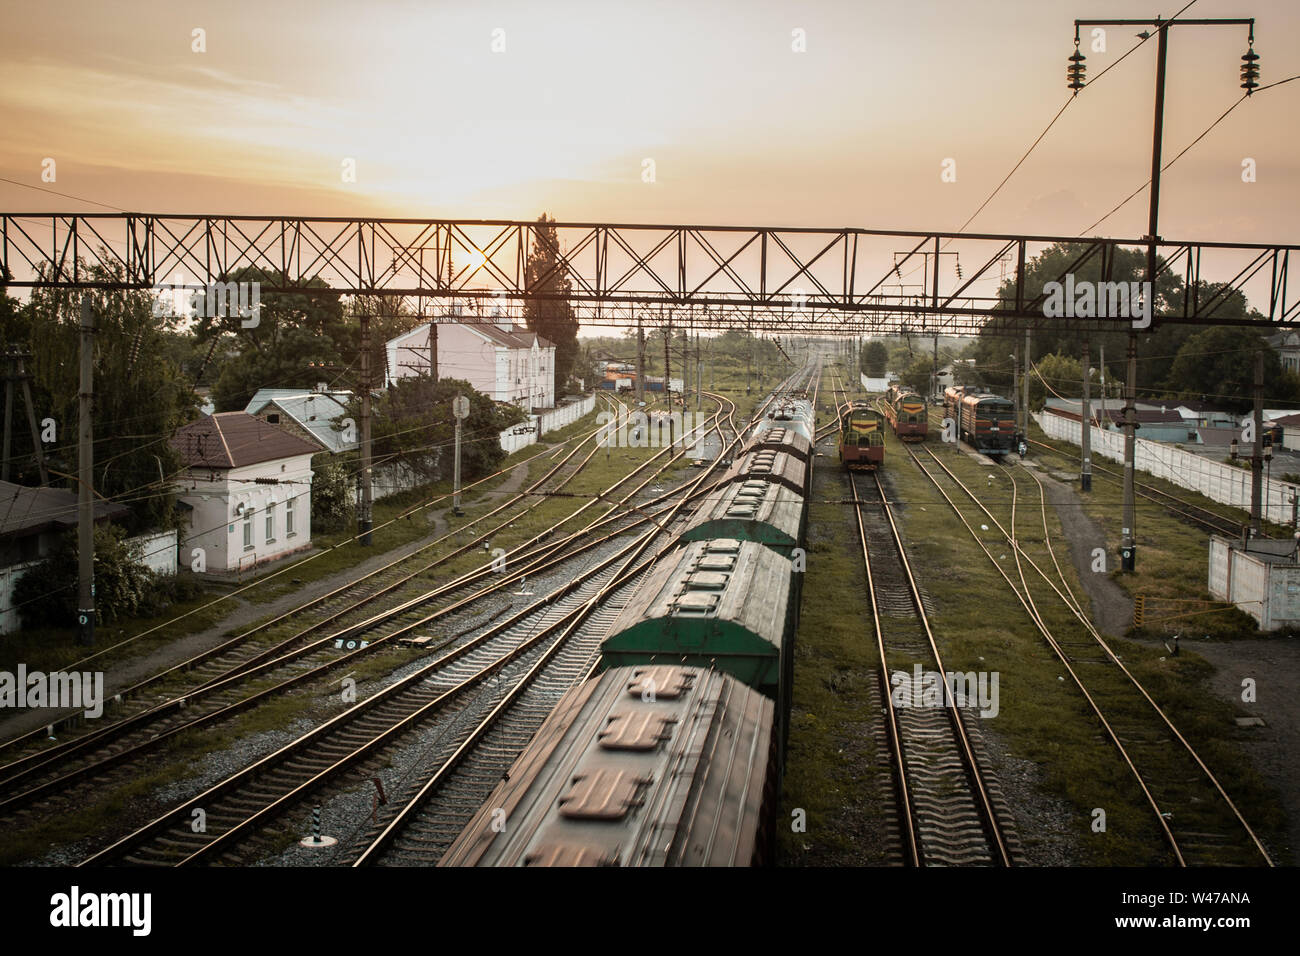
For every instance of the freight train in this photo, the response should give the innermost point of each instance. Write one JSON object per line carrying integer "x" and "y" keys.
{"x": 673, "y": 755}
{"x": 985, "y": 421}
{"x": 907, "y": 414}
{"x": 862, "y": 437}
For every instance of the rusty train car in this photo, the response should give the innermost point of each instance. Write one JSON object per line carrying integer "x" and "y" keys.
{"x": 862, "y": 437}
{"x": 907, "y": 414}
{"x": 985, "y": 421}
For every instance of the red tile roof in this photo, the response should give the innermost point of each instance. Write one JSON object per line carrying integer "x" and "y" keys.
{"x": 236, "y": 439}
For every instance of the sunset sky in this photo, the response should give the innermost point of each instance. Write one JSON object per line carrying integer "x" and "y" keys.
{"x": 741, "y": 128}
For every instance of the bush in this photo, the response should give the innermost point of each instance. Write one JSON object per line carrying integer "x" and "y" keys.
{"x": 166, "y": 590}
{"x": 46, "y": 595}
{"x": 333, "y": 503}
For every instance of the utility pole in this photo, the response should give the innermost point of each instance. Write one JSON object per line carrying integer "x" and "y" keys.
{"x": 15, "y": 373}
{"x": 86, "y": 480}
{"x": 1015, "y": 383}
{"x": 365, "y": 518}
{"x": 433, "y": 348}
{"x": 668, "y": 334}
{"x": 1102, "y": 359}
{"x": 9, "y": 411}
{"x": 1257, "y": 458}
{"x": 26, "y": 379}
{"x": 1249, "y": 75}
{"x": 1085, "y": 420}
{"x": 699, "y": 374}
{"x": 1024, "y": 384}
{"x": 640, "y": 361}
{"x": 460, "y": 410}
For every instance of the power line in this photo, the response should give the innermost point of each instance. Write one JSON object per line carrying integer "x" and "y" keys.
{"x": 1204, "y": 133}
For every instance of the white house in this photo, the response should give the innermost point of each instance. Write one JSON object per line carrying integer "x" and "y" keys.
{"x": 306, "y": 413}
{"x": 1287, "y": 345}
{"x": 249, "y": 485}
{"x": 504, "y": 361}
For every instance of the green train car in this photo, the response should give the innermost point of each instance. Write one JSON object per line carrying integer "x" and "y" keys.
{"x": 721, "y": 603}
{"x": 751, "y": 510}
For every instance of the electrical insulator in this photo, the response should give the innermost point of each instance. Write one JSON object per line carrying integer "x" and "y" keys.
{"x": 1074, "y": 72}
{"x": 1249, "y": 71}
{"x": 958, "y": 268}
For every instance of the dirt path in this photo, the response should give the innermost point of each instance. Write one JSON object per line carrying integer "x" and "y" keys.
{"x": 1112, "y": 608}
{"x": 242, "y": 613}
{"x": 1273, "y": 663}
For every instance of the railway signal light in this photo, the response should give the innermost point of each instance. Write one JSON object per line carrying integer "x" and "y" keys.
{"x": 1250, "y": 70}
{"x": 1074, "y": 72}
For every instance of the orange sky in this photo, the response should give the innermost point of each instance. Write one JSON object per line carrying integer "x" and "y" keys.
{"x": 741, "y": 128}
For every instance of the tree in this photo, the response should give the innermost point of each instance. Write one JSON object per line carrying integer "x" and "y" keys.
{"x": 1058, "y": 376}
{"x": 1155, "y": 349}
{"x": 1219, "y": 364}
{"x": 917, "y": 376}
{"x": 333, "y": 501}
{"x": 294, "y": 331}
{"x": 875, "y": 358}
{"x": 141, "y": 397}
{"x": 551, "y": 318}
{"x": 412, "y": 423}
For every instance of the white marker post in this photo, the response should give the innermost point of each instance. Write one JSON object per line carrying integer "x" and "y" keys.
{"x": 459, "y": 408}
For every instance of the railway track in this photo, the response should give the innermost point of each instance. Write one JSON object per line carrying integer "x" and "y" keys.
{"x": 1193, "y": 514}
{"x": 255, "y": 803}
{"x": 950, "y": 811}
{"x": 242, "y": 651}
{"x": 1188, "y": 799}
{"x": 466, "y": 772}
{"x": 107, "y": 751}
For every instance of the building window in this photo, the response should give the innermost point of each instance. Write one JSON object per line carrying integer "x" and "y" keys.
{"x": 270, "y": 523}
{"x": 273, "y": 418}
{"x": 288, "y": 518}
{"x": 248, "y": 530}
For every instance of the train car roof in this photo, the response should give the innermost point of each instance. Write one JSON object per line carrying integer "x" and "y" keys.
{"x": 722, "y": 600}
{"x": 753, "y": 510}
{"x": 782, "y": 438}
{"x": 768, "y": 464}
{"x": 983, "y": 397}
{"x": 642, "y": 766}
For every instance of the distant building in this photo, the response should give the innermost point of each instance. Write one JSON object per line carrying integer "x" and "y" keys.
{"x": 1154, "y": 423}
{"x": 248, "y": 483}
{"x": 504, "y": 361}
{"x": 309, "y": 414}
{"x": 1287, "y": 346}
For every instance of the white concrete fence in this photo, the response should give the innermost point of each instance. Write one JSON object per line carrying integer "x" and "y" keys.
{"x": 1220, "y": 482}
{"x": 527, "y": 433}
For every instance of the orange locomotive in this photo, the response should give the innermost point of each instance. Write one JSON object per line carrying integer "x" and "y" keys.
{"x": 907, "y": 414}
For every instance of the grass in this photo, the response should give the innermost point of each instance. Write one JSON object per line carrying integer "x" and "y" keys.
{"x": 1172, "y": 557}
{"x": 1045, "y": 719}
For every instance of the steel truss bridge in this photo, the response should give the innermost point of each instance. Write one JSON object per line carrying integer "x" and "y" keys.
{"x": 767, "y": 280}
